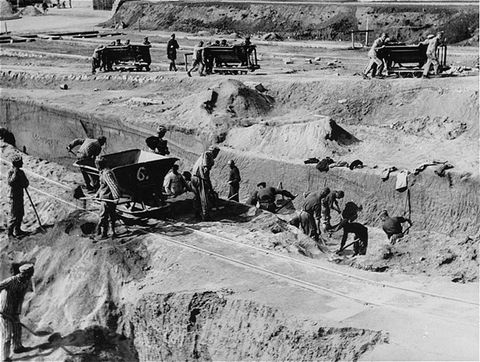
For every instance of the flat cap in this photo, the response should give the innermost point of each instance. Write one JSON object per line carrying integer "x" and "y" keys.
{"x": 263, "y": 183}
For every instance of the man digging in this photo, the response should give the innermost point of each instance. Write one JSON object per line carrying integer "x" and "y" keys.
{"x": 12, "y": 293}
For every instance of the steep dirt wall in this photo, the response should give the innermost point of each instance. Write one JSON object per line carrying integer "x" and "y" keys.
{"x": 328, "y": 22}
{"x": 211, "y": 326}
{"x": 445, "y": 204}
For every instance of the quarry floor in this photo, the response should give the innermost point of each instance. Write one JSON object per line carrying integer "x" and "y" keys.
{"x": 414, "y": 326}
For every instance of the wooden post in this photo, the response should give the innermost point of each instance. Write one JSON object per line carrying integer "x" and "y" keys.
{"x": 353, "y": 43}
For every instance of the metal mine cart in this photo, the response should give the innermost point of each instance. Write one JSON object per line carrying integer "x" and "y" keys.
{"x": 408, "y": 60}
{"x": 235, "y": 59}
{"x": 140, "y": 176}
{"x": 126, "y": 57}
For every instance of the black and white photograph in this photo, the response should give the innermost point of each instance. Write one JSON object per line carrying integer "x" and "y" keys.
{"x": 239, "y": 180}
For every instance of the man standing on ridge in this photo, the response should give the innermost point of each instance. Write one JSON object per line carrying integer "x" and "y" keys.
{"x": 157, "y": 144}
{"x": 172, "y": 47}
{"x": 18, "y": 182}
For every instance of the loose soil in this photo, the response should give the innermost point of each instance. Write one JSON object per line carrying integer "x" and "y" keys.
{"x": 101, "y": 292}
{"x": 324, "y": 22}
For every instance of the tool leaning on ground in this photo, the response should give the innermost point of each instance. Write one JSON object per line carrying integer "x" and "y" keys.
{"x": 37, "y": 333}
{"x": 34, "y": 209}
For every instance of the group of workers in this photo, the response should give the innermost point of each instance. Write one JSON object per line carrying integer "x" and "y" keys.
{"x": 101, "y": 62}
{"x": 313, "y": 218}
{"x": 378, "y": 62}
{"x": 204, "y": 62}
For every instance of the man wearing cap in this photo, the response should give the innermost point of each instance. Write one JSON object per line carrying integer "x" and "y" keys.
{"x": 265, "y": 196}
{"x": 375, "y": 60}
{"x": 433, "y": 44}
{"x": 330, "y": 202}
{"x": 393, "y": 226}
{"x": 18, "y": 182}
{"x": 12, "y": 293}
{"x": 172, "y": 47}
{"x": 234, "y": 181}
{"x": 205, "y": 196}
{"x": 157, "y": 144}
{"x": 89, "y": 149}
{"x": 108, "y": 192}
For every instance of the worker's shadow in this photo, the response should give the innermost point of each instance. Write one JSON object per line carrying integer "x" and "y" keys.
{"x": 88, "y": 344}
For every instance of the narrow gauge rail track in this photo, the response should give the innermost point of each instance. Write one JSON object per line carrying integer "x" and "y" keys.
{"x": 226, "y": 240}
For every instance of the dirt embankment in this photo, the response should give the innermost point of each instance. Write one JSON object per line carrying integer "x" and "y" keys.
{"x": 139, "y": 299}
{"x": 325, "y": 22}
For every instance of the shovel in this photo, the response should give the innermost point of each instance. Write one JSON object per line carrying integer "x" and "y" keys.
{"x": 37, "y": 333}
{"x": 35, "y": 210}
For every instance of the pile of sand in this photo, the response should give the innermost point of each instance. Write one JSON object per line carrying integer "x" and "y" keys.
{"x": 236, "y": 99}
{"x": 5, "y": 9}
{"x": 310, "y": 136}
{"x": 216, "y": 110}
{"x": 31, "y": 11}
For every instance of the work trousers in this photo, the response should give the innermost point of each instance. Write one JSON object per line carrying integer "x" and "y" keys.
{"x": 90, "y": 182}
{"x": 360, "y": 246}
{"x": 173, "y": 66}
{"x": 197, "y": 63}
{"x": 201, "y": 201}
{"x": 308, "y": 225}
{"x": 431, "y": 59}
{"x": 107, "y": 213}
{"x": 10, "y": 333}
{"x": 326, "y": 217}
{"x": 95, "y": 64}
{"x": 234, "y": 191}
{"x": 375, "y": 61}
{"x": 16, "y": 214}
{"x": 395, "y": 237}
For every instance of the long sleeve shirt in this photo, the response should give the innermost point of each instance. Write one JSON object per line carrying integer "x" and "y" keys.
{"x": 432, "y": 45}
{"x": 89, "y": 147}
{"x": 313, "y": 203}
{"x": 234, "y": 178}
{"x": 203, "y": 165}
{"x": 12, "y": 293}
{"x": 17, "y": 181}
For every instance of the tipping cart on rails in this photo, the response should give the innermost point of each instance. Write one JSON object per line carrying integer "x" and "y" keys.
{"x": 140, "y": 176}
{"x": 234, "y": 59}
{"x": 126, "y": 57}
{"x": 408, "y": 60}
